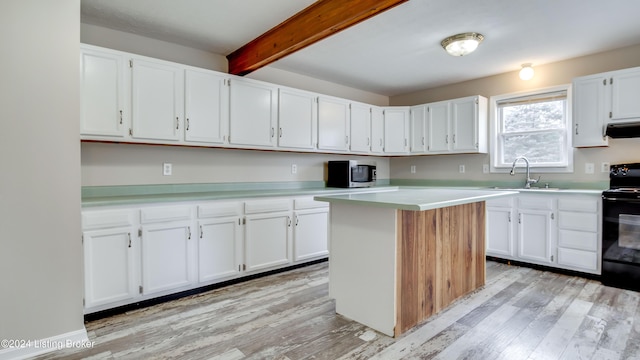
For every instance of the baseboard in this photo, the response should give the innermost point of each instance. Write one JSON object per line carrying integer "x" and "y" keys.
{"x": 25, "y": 349}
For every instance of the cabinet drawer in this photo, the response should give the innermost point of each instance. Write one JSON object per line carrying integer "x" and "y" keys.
{"x": 578, "y": 204}
{"x": 586, "y": 260}
{"x": 578, "y": 221}
{"x": 581, "y": 240}
{"x": 536, "y": 202}
{"x": 267, "y": 205}
{"x": 219, "y": 209}
{"x": 501, "y": 202}
{"x": 164, "y": 213}
{"x": 107, "y": 219}
{"x": 308, "y": 203}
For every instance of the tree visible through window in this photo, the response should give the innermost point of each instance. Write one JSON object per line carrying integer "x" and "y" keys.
{"x": 535, "y": 126}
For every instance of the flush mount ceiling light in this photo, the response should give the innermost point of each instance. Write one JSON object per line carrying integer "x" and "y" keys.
{"x": 526, "y": 73}
{"x": 462, "y": 44}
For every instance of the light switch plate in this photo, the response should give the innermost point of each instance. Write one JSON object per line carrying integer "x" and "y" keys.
{"x": 413, "y": 169}
{"x": 604, "y": 167}
{"x": 461, "y": 169}
{"x": 167, "y": 169}
{"x": 294, "y": 168}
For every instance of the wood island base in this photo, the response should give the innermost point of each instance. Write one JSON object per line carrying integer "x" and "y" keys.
{"x": 392, "y": 269}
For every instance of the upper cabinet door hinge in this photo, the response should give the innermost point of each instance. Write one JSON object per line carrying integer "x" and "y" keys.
{"x": 130, "y": 63}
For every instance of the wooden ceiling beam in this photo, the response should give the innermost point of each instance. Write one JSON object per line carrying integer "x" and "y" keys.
{"x": 316, "y": 22}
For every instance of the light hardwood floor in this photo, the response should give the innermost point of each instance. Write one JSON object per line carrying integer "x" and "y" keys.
{"x": 520, "y": 313}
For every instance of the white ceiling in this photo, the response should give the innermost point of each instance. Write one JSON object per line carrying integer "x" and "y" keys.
{"x": 399, "y": 50}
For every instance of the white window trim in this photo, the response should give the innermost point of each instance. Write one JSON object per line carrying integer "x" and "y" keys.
{"x": 493, "y": 133}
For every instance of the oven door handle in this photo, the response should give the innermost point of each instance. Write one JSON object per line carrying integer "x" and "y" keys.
{"x": 626, "y": 200}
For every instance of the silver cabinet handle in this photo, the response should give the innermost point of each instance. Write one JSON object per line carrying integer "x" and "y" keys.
{"x": 129, "y": 235}
{"x": 272, "y": 132}
{"x": 347, "y": 139}
{"x": 177, "y": 123}
{"x": 201, "y": 232}
{"x": 446, "y": 139}
{"x": 189, "y": 229}
{"x": 187, "y": 124}
{"x": 576, "y": 129}
{"x": 120, "y": 117}
{"x": 280, "y": 132}
{"x": 297, "y": 220}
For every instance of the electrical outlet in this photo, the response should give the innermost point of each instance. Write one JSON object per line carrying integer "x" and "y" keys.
{"x": 413, "y": 169}
{"x": 588, "y": 168}
{"x": 294, "y": 168}
{"x": 166, "y": 169}
{"x": 604, "y": 167}
{"x": 461, "y": 169}
{"x": 485, "y": 168}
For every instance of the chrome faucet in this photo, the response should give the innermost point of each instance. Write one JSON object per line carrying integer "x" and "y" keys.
{"x": 530, "y": 181}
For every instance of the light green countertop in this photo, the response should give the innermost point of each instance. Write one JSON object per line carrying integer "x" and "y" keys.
{"x": 417, "y": 199}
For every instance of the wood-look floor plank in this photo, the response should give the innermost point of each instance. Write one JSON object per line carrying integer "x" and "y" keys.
{"x": 520, "y": 313}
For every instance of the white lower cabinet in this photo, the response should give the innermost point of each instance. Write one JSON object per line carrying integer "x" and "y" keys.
{"x": 267, "y": 234}
{"x": 168, "y": 248}
{"x": 135, "y": 253}
{"x": 219, "y": 241}
{"x": 555, "y": 230}
{"x": 311, "y": 229}
{"x": 110, "y": 249}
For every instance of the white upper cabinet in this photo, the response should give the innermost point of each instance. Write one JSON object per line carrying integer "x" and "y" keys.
{"x": 418, "y": 129}
{"x": 206, "y": 107}
{"x": 333, "y": 124}
{"x": 297, "y": 119}
{"x": 157, "y": 100}
{"x": 253, "y": 112}
{"x": 396, "y": 130}
{"x": 360, "y": 127}
{"x": 438, "y": 115}
{"x": 103, "y": 109}
{"x": 625, "y": 91}
{"x": 457, "y": 126}
{"x": 469, "y": 124}
{"x": 600, "y": 99}
{"x": 377, "y": 130}
{"x": 590, "y": 110}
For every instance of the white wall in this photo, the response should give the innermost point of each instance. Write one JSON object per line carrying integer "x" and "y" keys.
{"x": 118, "y": 164}
{"x": 446, "y": 167}
{"x": 40, "y": 247}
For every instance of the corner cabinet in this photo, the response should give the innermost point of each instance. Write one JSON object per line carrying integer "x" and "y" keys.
{"x": 253, "y": 111}
{"x": 396, "y": 130}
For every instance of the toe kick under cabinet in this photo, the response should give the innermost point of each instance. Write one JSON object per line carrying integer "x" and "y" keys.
{"x": 547, "y": 228}
{"x": 139, "y": 252}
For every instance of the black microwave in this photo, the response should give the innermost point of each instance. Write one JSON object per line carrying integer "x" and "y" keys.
{"x": 351, "y": 173}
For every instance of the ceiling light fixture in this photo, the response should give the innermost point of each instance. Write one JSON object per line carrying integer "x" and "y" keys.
{"x": 462, "y": 44}
{"x": 526, "y": 73}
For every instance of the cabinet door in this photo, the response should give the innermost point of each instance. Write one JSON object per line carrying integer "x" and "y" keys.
{"x": 500, "y": 232}
{"x": 109, "y": 266}
{"x": 535, "y": 236}
{"x": 297, "y": 119}
{"x": 252, "y": 113}
{"x": 464, "y": 124}
{"x": 333, "y": 124}
{"x": 418, "y": 129}
{"x": 311, "y": 234}
{"x": 377, "y": 130}
{"x": 219, "y": 253}
{"x": 206, "y": 107}
{"x": 625, "y": 88}
{"x": 157, "y": 100}
{"x": 396, "y": 130}
{"x": 589, "y": 111}
{"x": 102, "y": 93}
{"x": 267, "y": 240}
{"x": 360, "y": 118}
{"x": 438, "y": 126}
{"x": 167, "y": 256}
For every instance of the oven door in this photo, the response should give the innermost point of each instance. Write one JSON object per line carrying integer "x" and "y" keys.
{"x": 621, "y": 242}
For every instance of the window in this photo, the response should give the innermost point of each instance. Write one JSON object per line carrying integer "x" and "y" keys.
{"x": 535, "y": 125}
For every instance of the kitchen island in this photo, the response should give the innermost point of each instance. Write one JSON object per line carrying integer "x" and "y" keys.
{"x": 398, "y": 257}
